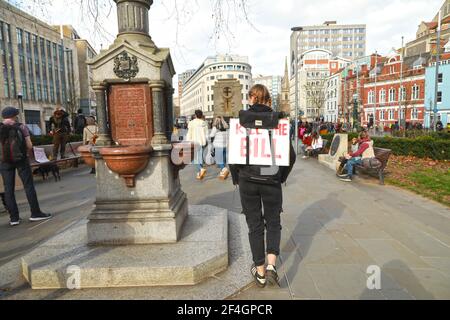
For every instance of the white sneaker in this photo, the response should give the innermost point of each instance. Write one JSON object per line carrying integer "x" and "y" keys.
{"x": 201, "y": 174}
{"x": 14, "y": 223}
{"x": 224, "y": 174}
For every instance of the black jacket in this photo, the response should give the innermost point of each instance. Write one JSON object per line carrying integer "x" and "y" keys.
{"x": 284, "y": 171}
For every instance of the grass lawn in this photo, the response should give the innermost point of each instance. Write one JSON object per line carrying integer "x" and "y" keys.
{"x": 425, "y": 177}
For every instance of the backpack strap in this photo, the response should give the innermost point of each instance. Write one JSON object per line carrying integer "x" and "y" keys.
{"x": 247, "y": 133}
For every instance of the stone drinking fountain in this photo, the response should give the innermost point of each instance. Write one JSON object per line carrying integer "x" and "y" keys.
{"x": 141, "y": 231}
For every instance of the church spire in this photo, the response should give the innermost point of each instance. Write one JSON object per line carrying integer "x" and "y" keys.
{"x": 285, "y": 90}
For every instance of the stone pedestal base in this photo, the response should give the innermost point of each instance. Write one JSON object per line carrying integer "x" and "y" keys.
{"x": 151, "y": 212}
{"x": 338, "y": 148}
{"x": 329, "y": 161}
{"x": 66, "y": 260}
{"x": 137, "y": 222}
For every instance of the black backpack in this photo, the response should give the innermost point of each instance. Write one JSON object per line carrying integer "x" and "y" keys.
{"x": 13, "y": 147}
{"x": 269, "y": 175}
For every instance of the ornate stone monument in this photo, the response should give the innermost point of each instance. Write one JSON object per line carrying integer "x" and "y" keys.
{"x": 227, "y": 98}
{"x": 338, "y": 148}
{"x": 140, "y": 232}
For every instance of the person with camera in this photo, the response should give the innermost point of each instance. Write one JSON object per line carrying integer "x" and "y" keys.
{"x": 60, "y": 130}
{"x": 262, "y": 199}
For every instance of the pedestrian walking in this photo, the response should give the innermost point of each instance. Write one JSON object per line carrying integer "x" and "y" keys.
{"x": 15, "y": 144}
{"x": 198, "y": 134}
{"x": 262, "y": 202}
{"x": 219, "y": 135}
{"x": 80, "y": 122}
{"x": 60, "y": 130}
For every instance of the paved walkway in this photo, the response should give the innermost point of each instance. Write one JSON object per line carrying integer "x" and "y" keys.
{"x": 332, "y": 233}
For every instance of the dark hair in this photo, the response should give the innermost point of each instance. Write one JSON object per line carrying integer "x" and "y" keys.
{"x": 199, "y": 114}
{"x": 80, "y": 111}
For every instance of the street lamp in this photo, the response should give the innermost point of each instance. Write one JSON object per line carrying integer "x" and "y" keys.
{"x": 296, "y": 29}
{"x": 22, "y": 111}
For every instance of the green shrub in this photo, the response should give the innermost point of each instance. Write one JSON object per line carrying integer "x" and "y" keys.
{"x": 46, "y": 140}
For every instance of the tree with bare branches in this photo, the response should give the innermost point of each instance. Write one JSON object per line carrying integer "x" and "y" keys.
{"x": 315, "y": 97}
{"x": 224, "y": 14}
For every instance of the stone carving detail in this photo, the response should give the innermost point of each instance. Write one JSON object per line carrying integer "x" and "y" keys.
{"x": 335, "y": 145}
{"x": 126, "y": 67}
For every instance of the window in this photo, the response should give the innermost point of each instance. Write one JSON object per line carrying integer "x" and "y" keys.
{"x": 415, "y": 114}
{"x": 439, "y": 96}
{"x": 4, "y": 62}
{"x": 391, "y": 95}
{"x": 415, "y": 92}
{"x": 403, "y": 94}
{"x": 371, "y": 97}
{"x": 440, "y": 78}
{"x": 382, "y": 115}
{"x": 22, "y": 63}
{"x": 391, "y": 114}
{"x": 383, "y": 96}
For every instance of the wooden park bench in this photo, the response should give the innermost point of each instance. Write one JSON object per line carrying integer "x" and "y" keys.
{"x": 71, "y": 160}
{"x": 383, "y": 156}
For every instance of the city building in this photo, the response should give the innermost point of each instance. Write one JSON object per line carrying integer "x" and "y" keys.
{"x": 182, "y": 78}
{"x": 426, "y": 33}
{"x": 352, "y": 84}
{"x": 41, "y": 68}
{"x": 85, "y": 97}
{"x": 273, "y": 83}
{"x": 315, "y": 68}
{"x": 332, "y": 97}
{"x": 198, "y": 91}
{"x": 285, "y": 102}
{"x": 394, "y": 91}
{"x": 442, "y": 111}
{"x": 346, "y": 41}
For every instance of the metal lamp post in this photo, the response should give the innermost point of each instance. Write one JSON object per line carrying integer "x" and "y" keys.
{"x": 436, "y": 83}
{"x": 296, "y": 29}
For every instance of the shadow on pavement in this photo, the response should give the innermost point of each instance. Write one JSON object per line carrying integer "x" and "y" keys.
{"x": 407, "y": 286}
{"x": 308, "y": 216}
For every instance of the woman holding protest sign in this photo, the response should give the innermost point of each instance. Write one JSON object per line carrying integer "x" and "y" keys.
{"x": 261, "y": 195}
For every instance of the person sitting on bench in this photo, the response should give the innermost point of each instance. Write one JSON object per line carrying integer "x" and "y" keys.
{"x": 316, "y": 146}
{"x": 365, "y": 151}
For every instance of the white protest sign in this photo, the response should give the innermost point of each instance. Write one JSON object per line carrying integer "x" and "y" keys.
{"x": 39, "y": 155}
{"x": 260, "y": 152}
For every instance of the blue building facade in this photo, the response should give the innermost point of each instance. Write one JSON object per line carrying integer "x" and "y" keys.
{"x": 443, "y": 106}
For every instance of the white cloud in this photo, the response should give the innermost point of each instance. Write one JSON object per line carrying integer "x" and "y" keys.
{"x": 387, "y": 21}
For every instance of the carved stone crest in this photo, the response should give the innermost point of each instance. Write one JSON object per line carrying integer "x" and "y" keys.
{"x": 126, "y": 67}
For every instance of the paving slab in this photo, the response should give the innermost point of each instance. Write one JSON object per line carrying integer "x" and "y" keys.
{"x": 220, "y": 286}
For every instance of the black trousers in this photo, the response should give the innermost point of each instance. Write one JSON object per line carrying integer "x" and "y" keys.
{"x": 8, "y": 171}
{"x": 255, "y": 198}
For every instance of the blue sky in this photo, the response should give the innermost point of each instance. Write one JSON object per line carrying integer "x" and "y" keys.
{"x": 267, "y": 44}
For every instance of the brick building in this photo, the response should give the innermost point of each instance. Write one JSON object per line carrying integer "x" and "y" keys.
{"x": 386, "y": 90}
{"x": 394, "y": 92}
